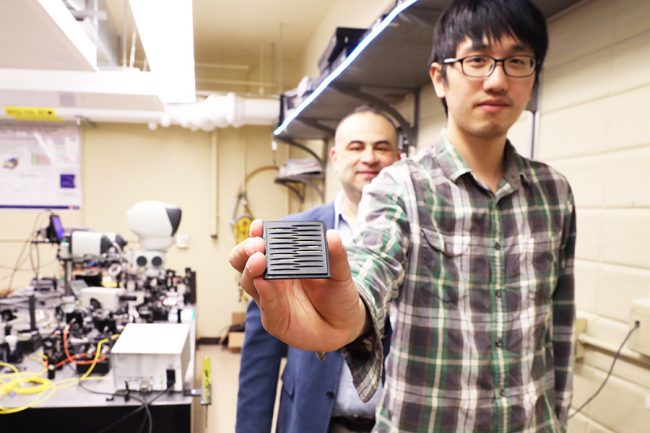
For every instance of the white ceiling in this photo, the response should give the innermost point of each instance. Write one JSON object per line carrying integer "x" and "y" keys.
{"x": 229, "y": 27}
{"x": 32, "y": 39}
{"x": 239, "y": 33}
{"x": 238, "y": 40}
{"x": 226, "y": 26}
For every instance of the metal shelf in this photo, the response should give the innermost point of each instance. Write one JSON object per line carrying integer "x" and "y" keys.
{"x": 391, "y": 66}
{"x": 297, "y": 184}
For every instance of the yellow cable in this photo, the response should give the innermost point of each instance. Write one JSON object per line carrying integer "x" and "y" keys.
{"x": 40, "y": 362}
{"x": 73, "y": 381}
{"x": 9, "y": 366}
{"x": 42, "y": 385}
{"x": 44, "y": 388}
{"x": 92, "y": 366}
{"x": 42, "y": 396}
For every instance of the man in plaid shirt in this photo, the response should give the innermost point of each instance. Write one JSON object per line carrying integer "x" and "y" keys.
{"x": 468, "y": 246}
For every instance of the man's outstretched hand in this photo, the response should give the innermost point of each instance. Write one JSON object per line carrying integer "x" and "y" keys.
{"x": 311, "y": 314}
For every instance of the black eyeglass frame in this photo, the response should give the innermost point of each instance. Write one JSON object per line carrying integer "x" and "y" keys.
{"x": 494, "y": 65}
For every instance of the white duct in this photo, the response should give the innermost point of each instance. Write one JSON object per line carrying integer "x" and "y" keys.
{"x": 222, "y": 110}
{"x": 216, "y": 111}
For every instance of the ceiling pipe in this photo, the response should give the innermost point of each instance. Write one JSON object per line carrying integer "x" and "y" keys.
{"x": 223, "y": 110}
{"x": 216, "y": 111}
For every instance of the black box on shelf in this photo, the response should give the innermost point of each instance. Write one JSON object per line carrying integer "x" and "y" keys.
{"x": 345, "y": 39}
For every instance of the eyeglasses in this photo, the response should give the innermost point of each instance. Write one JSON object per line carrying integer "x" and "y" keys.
{"x": 482, "y": 66}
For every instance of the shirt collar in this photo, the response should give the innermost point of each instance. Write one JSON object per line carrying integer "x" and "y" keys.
{"x": 342, "y": 225}
{"x": 338, "y": 210}
{"x": 454, "y": 166}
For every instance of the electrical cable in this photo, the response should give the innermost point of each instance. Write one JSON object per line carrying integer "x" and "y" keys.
{"x": 144, "y": 406}
{"x": 20, "y": 260}
{"x": 148, "y": 419}
{"x": 121, "y": 419}
{"x": 17, "y": 265}
{"x": 33, "y": 247}
{"x": 150, "y": 402}
{"x": 11, "y": 268}
{"x": 33, "y": 266}
{"x": 28, "y": 383}
{"x": 9, "y": 366}
{"x": 94, "y": 362}
{"x": 69, "y": 357}
{"x": 92, "y": 391}
{"x": 40, "y": 398}
{"x": 609, "y": 373}
{"x": 24, "y": 383}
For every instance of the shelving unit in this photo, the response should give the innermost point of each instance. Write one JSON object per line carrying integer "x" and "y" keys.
{"x": 389, "y": 63}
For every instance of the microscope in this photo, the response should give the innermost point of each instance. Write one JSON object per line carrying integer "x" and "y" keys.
{"x": 155, "y": 223}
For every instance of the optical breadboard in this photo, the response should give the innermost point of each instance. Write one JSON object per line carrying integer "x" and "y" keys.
{"x": 295, "y": 250}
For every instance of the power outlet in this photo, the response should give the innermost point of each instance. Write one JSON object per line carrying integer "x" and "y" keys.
{"x": 640, "y": 339}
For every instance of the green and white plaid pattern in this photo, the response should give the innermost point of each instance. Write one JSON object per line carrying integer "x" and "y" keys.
{"x": 481, "y": 293}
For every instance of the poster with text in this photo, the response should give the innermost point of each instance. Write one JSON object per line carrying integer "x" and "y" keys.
{"x": 40, "y": 166}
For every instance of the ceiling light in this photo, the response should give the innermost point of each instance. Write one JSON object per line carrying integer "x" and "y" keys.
{"x": 166, "y": 31}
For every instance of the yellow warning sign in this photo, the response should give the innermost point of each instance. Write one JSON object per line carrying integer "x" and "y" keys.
{"x": 43, "y": 114}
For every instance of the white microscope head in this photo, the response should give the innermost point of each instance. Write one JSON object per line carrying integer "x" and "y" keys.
{"x": 155, "y": 223}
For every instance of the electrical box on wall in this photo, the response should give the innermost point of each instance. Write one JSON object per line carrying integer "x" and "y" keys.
{"x": 640, "y": 339}
{"x": 581, "y": 328}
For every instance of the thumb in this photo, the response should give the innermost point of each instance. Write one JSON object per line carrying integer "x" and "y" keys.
{"x": 339, "y": 266}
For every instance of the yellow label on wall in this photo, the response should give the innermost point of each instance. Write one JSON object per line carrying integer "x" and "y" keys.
{"x": 33, "y": 113}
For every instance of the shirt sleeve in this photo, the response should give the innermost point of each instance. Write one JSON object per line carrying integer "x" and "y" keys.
{"x": 564, "y": 339}
{"x": 377, "y": 259}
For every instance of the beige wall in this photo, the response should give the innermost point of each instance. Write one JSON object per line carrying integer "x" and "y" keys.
{"x": 594, "y": 128}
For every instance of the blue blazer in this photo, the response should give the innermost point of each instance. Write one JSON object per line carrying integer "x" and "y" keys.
{"x": 309, "y": 386}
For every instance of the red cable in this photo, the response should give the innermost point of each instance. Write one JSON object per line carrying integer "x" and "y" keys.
{"x": 70, "y": 358}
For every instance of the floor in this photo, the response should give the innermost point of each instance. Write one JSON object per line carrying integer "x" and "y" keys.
{"x": 220, "y": 416}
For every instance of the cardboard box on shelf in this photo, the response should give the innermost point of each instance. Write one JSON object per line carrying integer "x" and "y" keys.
{"x": 235, "y": 341}
{"x": 237, "y": 317}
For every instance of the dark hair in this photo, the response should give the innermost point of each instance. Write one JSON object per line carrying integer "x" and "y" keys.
{"x": 493, "y": 19}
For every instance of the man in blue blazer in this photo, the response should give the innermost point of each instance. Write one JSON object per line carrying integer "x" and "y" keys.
{"x": 317, "y": 395}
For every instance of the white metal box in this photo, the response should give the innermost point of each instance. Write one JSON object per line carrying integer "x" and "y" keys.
{"x": 149, "y": 355}
{"x": 107, "y": 297}
{"x": 640, "y": 339}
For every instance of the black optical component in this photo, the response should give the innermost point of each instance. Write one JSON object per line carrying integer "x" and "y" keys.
{"x": 295, "y": 250}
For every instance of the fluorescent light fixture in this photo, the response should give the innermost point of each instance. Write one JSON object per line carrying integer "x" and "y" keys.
{"x": 351, "y": 58}
{"x": 166, "y": 31}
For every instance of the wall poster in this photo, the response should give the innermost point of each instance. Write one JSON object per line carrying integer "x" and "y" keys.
{"x": 40, "y": 166}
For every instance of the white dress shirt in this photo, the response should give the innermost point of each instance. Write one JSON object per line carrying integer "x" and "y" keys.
{"x": 347, "y": 401}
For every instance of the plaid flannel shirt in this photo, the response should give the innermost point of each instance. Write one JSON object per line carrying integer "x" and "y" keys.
{"x": 481, "y": 293}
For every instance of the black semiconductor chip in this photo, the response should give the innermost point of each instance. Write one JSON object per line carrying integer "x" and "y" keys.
{"x": 295, "y": 249}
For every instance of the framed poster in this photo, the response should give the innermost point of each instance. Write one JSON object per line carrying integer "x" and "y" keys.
{"x": 40, "y": 166}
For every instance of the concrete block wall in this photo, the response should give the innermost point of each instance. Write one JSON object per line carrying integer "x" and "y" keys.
{"x": 595, "y": 130}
